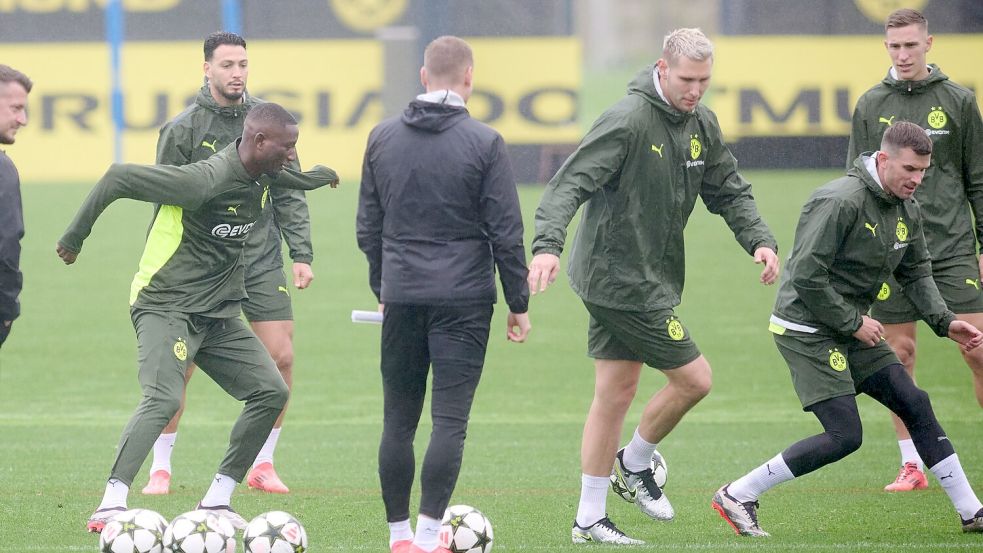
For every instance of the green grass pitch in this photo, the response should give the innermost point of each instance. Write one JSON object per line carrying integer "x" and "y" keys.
{"x": 67, "y": 383}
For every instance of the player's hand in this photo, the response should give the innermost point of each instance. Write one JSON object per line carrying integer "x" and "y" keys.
{"x": 966, "y": 335}
{"x": 518, "y": 327}
{"x": 303, "y": 275}
{"x": 770, "y": 260}
{"x": 543, "y": 270}
{"x": 66, "y": 255}
{"x": 870, "y": 332}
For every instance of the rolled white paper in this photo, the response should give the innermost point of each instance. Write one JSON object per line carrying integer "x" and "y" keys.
{"x": 370, "y": 317}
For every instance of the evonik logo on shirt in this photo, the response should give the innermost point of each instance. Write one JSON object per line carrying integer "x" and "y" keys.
{"x": 226, "y": 230}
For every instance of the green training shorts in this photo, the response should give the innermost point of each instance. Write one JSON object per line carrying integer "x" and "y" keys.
{"x": 824, "y": 367}
{"x": 958, "y": 280}
{"x": 656, "y": 338}
{"x": 269, "y": 297}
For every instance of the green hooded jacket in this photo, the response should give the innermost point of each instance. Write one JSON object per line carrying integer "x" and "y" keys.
{"x": 951, "y": 117}
{"x": 639, "y": 170}
{"x": 192, "y": 261}
{"x": 851, "y": 235}
{"x": 205, "y": 128}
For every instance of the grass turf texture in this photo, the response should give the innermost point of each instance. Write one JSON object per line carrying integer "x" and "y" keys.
{"x": 68, "y": 385}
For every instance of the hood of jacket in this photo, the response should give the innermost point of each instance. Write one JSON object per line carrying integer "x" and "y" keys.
{"x": 859, "y": 170}
{"x": 206, "y": 101}
{"x": 643, "y": 85}
{"x": 433, "y": 117}
{"x": 916, "y": 87}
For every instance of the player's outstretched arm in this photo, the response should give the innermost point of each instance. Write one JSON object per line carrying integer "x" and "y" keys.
{"x": 543, "y": 270}
{"x": 769, "y": 258}
{"x": 966, "y": 335}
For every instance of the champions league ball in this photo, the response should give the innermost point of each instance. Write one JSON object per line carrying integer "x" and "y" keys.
{"x": 465, "y": 530}
{"x": 200, "y": 532}
{"x": 660, "y": 473}
{"x": 133, "y": 531}
{"x": 274, "y": 532}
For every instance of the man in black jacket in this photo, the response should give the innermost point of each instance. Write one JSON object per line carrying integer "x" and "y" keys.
{"x": 438, "y": 212}
{"x": 14, "y": 87}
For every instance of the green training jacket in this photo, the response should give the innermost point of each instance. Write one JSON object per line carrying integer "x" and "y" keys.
{"x": 851, "y": 236}
{"x": 639, "y": 170}
{"x": 205, "y": 128}
{"x": 192, "y": 261}
{"x": 950, "y": 116}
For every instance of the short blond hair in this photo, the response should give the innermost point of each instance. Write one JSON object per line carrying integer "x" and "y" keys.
{"x": 447, "y": 58}
{"x": 690, "y": 43}
{"x": 904, "y": 17}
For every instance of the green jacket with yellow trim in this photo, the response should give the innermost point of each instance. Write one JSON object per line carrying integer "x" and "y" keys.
{"x": 950, "y": 116}
{"x": 192, "y": 261}
{"x": 639, "y": 170}
{"x": 205, "y": 128}
{"x": 851, "y": 235}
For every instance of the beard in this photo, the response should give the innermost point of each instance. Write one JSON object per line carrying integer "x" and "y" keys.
{"x": 231, "y": 96}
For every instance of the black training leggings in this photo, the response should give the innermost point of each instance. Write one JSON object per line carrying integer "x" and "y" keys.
{"x": 453, "y": 340}
{"x": 890, "y": 386}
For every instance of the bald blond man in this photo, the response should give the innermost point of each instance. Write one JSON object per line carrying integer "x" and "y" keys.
{"x": 438, "y": 213}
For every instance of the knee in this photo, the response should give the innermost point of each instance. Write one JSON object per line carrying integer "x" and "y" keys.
{"x": 695, "y": 386}
{"x": 284, "y": 359}
{"x": 917, "y": 407}
{"x": 904, "y": 347}
{"x": 848, "y": 439}
{"x": 276, "y": 394}
{"x": 616, "y": 398}
{"x": 168, "y": 406}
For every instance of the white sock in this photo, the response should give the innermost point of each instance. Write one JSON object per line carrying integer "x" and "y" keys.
{"x": 266, "y": 454}
{"x": 909, "y": 454}
{"x": 115, "y": 495}
{"x": 399, "y": 531}
{"x": 220, "y": 492}
{"x": 953, "y": 480}
{"x": 638, "y": 453}
{"x": 162, "y": 452}
{"x": 593, "y": 499}
{"x": 750, "y": 486}
{"x": 426, "y": 533}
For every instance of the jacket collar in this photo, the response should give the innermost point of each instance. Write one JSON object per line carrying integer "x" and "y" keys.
{"x": 915, "y": 87}
{"x": 205, "y": 100}
{"x": 865, "y": 168}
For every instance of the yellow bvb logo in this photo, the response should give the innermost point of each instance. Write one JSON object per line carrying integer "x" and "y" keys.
{"x": 695, "y": 148}
{"x": 368, "y": 15}
{"x": 902, "y": 231}
{"x": 675, "y": 329}
{"x": 937, "y": 118}
{"x": 181, "y": 350}
{"x": 837, "y": 360}
{"x": 885, "y": 292}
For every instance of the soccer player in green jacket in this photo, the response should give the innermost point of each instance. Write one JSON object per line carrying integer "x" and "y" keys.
{"x": 201, "y": 130}
{"x": 185, "y": 298}
{"x": 951, "y": 196}
{"x": 639, "y": 172}
{"x": 853, "y": 232}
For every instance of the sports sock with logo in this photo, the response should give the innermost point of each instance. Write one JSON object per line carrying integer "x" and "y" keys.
{"x": 593, "y": 499}
{"x": 162, "y": 452}
{"x": 638, "y": 453}
{"x": 750, "y": 486}
{"x": 949, "y": 472}
{"x": 115, "y": 494}
{"x": 427, "y": 530}
{"x": 220, "y": 492}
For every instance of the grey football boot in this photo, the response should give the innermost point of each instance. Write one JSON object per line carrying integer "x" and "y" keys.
{"x": 640, "y": 488}
{"x": 602, "y": 531}
{"x": 742, "y": 517}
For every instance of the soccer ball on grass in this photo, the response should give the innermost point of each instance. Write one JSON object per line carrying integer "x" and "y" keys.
{"x": 465, "y": 530}
{"x": 133, "y": 531}
{"x": 275, "y": 532}
{"x": 200, "y": 532}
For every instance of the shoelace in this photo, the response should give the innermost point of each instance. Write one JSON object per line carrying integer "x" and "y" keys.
{"x": 648, "y": 480}
{"x": 751, "y": 508}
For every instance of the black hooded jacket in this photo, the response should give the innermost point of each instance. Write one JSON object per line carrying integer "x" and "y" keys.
{"x": 438, "y": 211}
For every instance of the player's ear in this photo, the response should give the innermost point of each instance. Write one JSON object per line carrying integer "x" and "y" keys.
{"x": 928, "y": 43}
